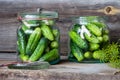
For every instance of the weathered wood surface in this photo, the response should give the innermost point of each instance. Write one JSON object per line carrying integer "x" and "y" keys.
{"x": 8, "y": 38}
{"x": 8, "y": 56}
{"x": 63, "y": 71}
{"x": 66, "y": 9}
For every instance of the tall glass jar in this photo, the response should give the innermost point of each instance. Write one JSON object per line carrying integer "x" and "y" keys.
{"x": 87, "y": 37}
{"x": 38, "y": 37}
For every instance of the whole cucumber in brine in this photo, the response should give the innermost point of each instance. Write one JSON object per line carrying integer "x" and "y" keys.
{"x": 78, "y": 40}
{"x": 50, "y": 56}
{"x": 47, "y": 33}
{"x": 77, "y": 52}
{"x": 94, "y": 29}
{"x": 54, "y": 44}
{"x": 93, "y": 46}
{"x": 33, "y": 41}
{"x": 92, "y": 38}
{"x": 39, "y": 50}
{"x": 21, "y": 42}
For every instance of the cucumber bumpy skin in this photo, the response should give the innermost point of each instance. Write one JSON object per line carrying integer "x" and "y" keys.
{"x": 50, "y": 56}
{"x": 94, "y": 29}
{"x": 78, "y": 40}
{"x": 32, "y": 41}
{"x": 77, "y": 52}
{"x": 91, "y": 39}
{"x": 21, "y": 43}
{"x": 39, "y": 50}
{"x": 47, "y": 33}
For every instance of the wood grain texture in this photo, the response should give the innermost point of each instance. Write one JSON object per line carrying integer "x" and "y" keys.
{"x": 63, "y": 71}
{"x": 8, "y": 28}
{"x": 64, "y": 7}
{"x": 8, "y": 56}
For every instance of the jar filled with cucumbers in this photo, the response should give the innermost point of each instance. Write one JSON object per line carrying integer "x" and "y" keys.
{"x": 87, "y": 36}
{"x": 38, "y": 37}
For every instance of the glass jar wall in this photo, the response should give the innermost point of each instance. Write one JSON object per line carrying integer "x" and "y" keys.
{"x": 87, "y": 36}
{"x": 38, "y": 37}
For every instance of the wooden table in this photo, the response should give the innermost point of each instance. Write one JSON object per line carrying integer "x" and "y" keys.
{"x": 63, "y": 71}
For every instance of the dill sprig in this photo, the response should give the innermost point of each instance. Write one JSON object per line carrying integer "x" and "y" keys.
{"x": 111, "y": 54}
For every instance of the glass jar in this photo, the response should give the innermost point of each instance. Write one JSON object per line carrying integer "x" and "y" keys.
{"x": 38, "y": 37}
{"x": 87, "y": 37}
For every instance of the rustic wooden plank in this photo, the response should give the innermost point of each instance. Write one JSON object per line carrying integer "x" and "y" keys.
{"x": 113, "y": 23}
{"x": 8, "y": 56}
{"x": 8, "y": 38}
{"x": 63, "y": 71}
{"x": 64, "y": 7}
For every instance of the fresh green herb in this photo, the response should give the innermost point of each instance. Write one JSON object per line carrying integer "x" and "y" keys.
{"x": 111, "y": 55}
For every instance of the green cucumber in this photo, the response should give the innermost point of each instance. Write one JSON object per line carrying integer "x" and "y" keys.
{"x": 97, "y": 54}
{"x": 54, "y": 44}
{"x": 32, "y": 41}
{"x": 50, "y": 56}
{"x": 78, "y": 40}
{"x": 92, "y": 38}
{"x": 93, "y": 46}
{"x": 39, "y": 50}
{"x": 21, "y": 42}
{"x": 55, "y": 32}
{"x": 24, "y": 57}
{"x": 47, "y": 33}
{"x": 24, "y": 27}
{"x": 99, "y": 24}
{"x": 105, "y": 38}
{"x": 94, "y": 29}
{"x": 77, "y": 52}
{"x": 100, "y": 38}
{"x": 88, "y": 55}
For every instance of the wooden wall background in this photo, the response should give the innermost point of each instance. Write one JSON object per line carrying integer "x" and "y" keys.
{"x": 66, "y": 9}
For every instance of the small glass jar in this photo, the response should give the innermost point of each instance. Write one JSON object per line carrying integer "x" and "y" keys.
{"x": 87, "y": 36}
{"x": 38, "y": 37}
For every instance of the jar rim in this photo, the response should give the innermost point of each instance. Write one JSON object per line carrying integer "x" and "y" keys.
{"x": 86, "y": 19}
{"x": 42, "y": 15}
